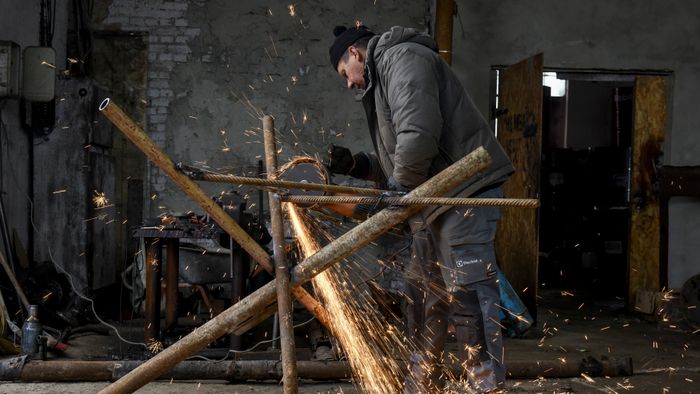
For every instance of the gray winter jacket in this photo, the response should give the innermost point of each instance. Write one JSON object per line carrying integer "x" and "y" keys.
{"x": 420, "y": 118}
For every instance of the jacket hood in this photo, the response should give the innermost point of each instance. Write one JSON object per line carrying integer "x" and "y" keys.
{"x": 378, "y": 45}
{"x": 398, "y": 35}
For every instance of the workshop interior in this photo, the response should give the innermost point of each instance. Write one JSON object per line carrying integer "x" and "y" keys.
{"x": 167, "y": 216}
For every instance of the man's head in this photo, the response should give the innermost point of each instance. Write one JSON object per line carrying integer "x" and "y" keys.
{"x": 348, "y": 54}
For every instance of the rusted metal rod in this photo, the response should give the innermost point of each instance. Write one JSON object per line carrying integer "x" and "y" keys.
{"x": 282, "y": 184}
{"x": 159, "y": 158}
{"x": 471, "y": 202}
{"x": 246, "y": 370}
{"x": 284, "y": 301}
{"x": 153, "y": 267}
{"x": 253, "y": 305}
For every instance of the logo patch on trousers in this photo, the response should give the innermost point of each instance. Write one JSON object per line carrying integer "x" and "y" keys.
{"x": 462, "y": 263}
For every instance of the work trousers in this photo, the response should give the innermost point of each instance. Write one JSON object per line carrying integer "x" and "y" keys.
{"x": 451, "y": 279}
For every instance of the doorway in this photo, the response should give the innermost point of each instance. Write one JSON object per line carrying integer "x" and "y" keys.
{"x": 585, "y": 183}
{"x": 590, "y": 153}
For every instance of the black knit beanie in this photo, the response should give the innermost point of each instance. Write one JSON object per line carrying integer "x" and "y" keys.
{"x": 344, "y": 38}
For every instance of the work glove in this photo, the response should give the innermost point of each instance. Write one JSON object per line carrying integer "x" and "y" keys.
{"x": 341, "y": 161}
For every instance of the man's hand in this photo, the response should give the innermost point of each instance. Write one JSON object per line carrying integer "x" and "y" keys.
{"x": 394, "y": 186}
{"x": 339, "y": 160}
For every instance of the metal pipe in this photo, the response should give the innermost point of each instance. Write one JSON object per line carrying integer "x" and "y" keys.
{"x": 237, "y": 284}
{"x": 473, "y": 202}
{"x": 154, "y": 258}
{"x": 254, "y": 305}
{"x": 282, "y": 184}
{"x": 444, "y": 22}
{"x": 189, "y": 187}
{"x": 172, "y": 274}
{"x": 244, "y": 370}
{"x": 284, "y": 302}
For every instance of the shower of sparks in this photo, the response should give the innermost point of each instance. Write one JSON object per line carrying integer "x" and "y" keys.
{"x": 369, "y": 342}
{"x": 292, "y": 10}
{"x": 59, "y": 191}
{"x": 252, "y": 110}
{"x": 305, "y": 117}
{"x": 100, "y": 200}
{"x": 43, "y": 63}
{"x": 154, "y": 346}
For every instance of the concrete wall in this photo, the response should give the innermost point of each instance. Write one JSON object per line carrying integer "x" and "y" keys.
{"x": 19, "y": 22}
{"x": 216, "y": 66}
{"x": 616, "y": 34}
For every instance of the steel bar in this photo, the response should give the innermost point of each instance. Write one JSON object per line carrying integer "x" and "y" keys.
{"x": 284, "y": 301}
{"x": 159, "y": 158}
{"x": 282, "y": 184}
{"x": 342, "y": 247}
{"x": 172, "y": 275}
{"x": 154, "y": 263}
{"x": 472, "y": 202}
{"x": 246, "y": 370}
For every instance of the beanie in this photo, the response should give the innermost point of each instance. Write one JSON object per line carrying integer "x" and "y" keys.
{"x": 344, "y": 38}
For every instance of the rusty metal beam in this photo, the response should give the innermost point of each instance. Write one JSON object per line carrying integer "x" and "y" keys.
{"x": 284, "y": 301}
{"x": 250, "y": 307}
{"x": 13, "y": 369}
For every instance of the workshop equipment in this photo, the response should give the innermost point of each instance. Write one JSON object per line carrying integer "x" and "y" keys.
{"x": 31, "y": 330}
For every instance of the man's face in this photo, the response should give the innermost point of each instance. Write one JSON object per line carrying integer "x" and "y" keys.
{"x": 352, "y": 68}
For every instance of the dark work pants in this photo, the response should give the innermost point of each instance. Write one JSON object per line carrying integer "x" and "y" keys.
{"x": 452, "y": 279}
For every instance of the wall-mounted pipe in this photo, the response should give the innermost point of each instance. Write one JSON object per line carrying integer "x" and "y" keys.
{"x": 444, "y": 22}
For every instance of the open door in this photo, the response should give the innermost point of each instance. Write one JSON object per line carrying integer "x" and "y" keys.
{"x": 520, "y": 134}
{"x": 650, "y": 121}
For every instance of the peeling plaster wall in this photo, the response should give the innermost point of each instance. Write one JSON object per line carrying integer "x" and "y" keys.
{"x": 616, "y": 34}
{"x": 216, "y": 66}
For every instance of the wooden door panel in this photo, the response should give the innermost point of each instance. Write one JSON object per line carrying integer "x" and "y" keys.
{"x": 650, "y": 120}
{"x": 520, "y": 134}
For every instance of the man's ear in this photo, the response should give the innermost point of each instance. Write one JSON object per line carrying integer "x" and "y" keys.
{"x": 354, "y": 51}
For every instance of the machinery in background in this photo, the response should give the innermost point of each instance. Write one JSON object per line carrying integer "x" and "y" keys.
{"x": 211, "y": 272}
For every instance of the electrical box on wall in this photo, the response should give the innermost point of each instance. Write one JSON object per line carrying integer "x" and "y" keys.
{"x": 39, "y": 74}
{"x": 9, "y": 69}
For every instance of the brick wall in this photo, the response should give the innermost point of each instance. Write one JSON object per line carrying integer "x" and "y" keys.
{"x": 168, "y": 36}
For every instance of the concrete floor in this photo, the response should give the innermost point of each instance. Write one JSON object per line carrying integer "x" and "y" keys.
{"x": 666, "y": 356}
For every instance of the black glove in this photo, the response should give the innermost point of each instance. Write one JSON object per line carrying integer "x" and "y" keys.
{"x": 339, "y": 160}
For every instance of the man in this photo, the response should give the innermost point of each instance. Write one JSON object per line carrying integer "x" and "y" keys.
{"x": 421, "y": 120}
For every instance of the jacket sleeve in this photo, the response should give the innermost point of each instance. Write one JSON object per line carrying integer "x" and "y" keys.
{"x": 413, "y": 95}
